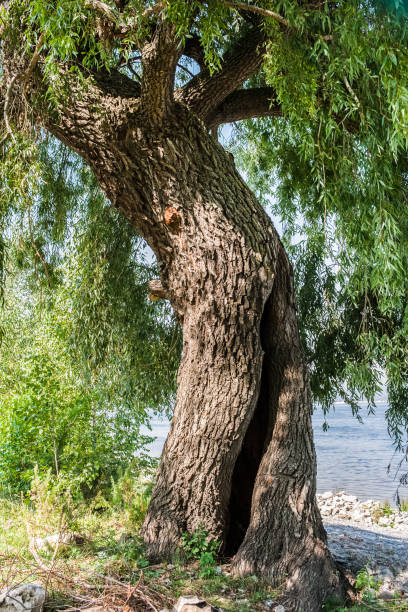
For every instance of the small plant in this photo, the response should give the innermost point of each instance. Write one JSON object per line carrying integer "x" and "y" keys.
{"x": 132, "y": 492}
{"x": 207, "y": 565}
{"x": 403, "y": 505}
{"x": 386, "y": 508}
{"x": 198, "y": 545}
{"x": 128, "y": 548}
{"x": 365, "y": 580}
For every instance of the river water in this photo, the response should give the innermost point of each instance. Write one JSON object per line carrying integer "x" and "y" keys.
{"x": 351, "y": 456}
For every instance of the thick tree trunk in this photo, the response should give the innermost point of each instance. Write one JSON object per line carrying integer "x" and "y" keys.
{"x": 239, "y": 458}
{"x": 285, "y": 535}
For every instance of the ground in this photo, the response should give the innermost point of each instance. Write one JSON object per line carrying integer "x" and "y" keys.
{"x": 107, "y": 566}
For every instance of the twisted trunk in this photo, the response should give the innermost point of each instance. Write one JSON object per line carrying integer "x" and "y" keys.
{"x": 239, "y": 458}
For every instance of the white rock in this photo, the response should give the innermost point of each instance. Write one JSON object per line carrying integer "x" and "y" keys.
{"x": 24, "y": 597}
{"x": 383, "y": 521}
{"x": 279, "y": 609}
{"x": 60, "y": 539}
{"x": 326, "y": 495}
{"x": 192, "y": 604}
{"x": 350, "y": 498}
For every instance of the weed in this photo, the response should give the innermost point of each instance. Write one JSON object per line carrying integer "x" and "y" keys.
{"x": 403, "y": 504}
{"x": 198, "y": 545}
{"x": 131, "y": 493}
{"x": 365, "y": 580}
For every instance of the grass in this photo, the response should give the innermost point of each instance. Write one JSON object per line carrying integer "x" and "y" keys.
{"x": 111, "y": 557}
{"x": 109, "y": 567}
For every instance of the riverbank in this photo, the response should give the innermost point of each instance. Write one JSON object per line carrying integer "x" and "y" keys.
{"x": 106, "y": 563}
{"x": 368, "y": 535}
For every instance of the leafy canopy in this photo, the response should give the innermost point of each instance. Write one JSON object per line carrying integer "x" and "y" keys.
{"x": 332, "y": 166}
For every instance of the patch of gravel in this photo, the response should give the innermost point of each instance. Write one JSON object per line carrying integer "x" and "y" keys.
{"x": 358, "y": 541}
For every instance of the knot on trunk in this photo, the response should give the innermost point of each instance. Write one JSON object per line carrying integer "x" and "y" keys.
{"x": 156, "y": 290}
{"x": 172, "y": 218}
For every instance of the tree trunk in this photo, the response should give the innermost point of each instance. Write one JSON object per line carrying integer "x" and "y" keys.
{"x": 239, "y": 458}
{"x": 285, "y": 535}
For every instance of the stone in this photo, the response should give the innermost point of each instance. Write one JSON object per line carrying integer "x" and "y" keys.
{"x": 350, "y": 498}
{"x": 326, "y": 495}
{"x": 24, "y": 597}
{"x": 269, "y": 603}
{"x": 62, "y": 539}
{"x": 279, "y": 608}
{"x": 386, "y": 573}
{"x": 386, "y": 595}
{"x": 193, "y": 604}
{"x": 383, "y": 521}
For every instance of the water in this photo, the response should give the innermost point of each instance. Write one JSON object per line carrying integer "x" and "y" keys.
{"x": 350, "y": 456}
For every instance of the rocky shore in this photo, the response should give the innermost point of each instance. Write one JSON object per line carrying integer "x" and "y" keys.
{"x": 368, "y": 535}
{"x": 369, "y": 512}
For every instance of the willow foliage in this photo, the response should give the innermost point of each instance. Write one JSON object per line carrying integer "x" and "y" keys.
{"x": 333, "y": 167}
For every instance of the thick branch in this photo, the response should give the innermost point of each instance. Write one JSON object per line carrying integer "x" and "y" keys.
{"x": 193, "y": 49}
{"x": 240, "y": 6}
{"x": 159, "y": 61}
{"x": 205, "y": 93}
{"x": 121, "y": 28}
{"x": 245, "y": 104}
{"x": 103, "y": 9}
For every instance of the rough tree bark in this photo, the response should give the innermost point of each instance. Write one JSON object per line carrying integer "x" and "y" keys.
{"x": 239, "y": 458}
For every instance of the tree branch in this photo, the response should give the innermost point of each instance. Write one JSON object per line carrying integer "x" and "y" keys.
{"x": 194, "y": 50}
{"x": 240, "y": 6}
{"x": 34, "y": 60}
{"x": 103, "y": 9}
{"x": 153, "y": 10}
{"x": 245, "y": 104}
{"x": 159, "y": 60}
{"x": 204, "y": 93}
{"x": 122, "y": 28}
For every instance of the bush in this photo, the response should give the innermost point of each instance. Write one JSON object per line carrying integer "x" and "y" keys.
{"x": 50, "y": 419}
{"x": 198, "y": 545}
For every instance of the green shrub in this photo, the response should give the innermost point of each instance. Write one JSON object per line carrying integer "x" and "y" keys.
{"x": 365, "y": 580}
{"x": 199, "y": 546}
{"x": 50, "y": 419}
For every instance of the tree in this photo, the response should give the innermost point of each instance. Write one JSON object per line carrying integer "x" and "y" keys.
{"x": 105, "y": 79}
